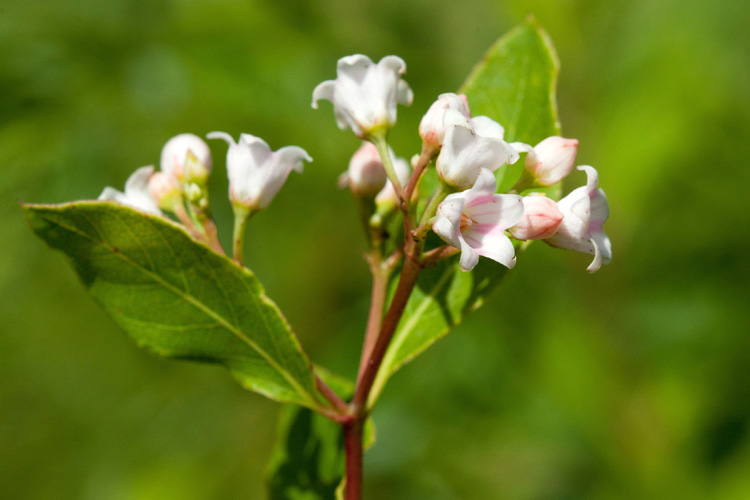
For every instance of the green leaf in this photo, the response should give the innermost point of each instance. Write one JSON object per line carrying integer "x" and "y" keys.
{"x": 176, "y": 297}
{"x": 514, "y": 84}
{"x": 308, "y": 460}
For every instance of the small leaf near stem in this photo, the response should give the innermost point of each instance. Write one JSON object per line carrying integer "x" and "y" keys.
{"x": 241, "y": 216}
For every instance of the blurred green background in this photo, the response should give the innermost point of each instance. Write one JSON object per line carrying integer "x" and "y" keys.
{"x": 633, "y": 383}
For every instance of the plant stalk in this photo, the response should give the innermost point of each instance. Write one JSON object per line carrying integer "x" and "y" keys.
{"x": 407, "y": 280}
{"x": 375, "y": 316}
{"x": 241, "y": 216}
{"x": 353, "y": 447}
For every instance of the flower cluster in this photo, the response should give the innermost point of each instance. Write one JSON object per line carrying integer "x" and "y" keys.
{"x": 465, "y": 211}
{"x": 466, "y": 150}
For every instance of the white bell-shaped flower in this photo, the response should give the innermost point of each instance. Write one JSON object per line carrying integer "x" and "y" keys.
{"x": 255, "y": 172}
{"x": 475, "y": 221}
{"x": 470, "y": 146}
{"x": 365, "y": 94}
{"x": 585, "y": 210}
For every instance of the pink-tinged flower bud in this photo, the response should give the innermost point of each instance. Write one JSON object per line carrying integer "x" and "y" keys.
{"x": 551, "y": 160}
{"x": 366, "y": 174}
{"x": 165, "y": 189}
{"x": 177, "y": 162}
{"x": 431, "y": 128}
{"x": 365, "y": 94}
{"x": 255, "y": 172}
{"x": 541, "y": 219}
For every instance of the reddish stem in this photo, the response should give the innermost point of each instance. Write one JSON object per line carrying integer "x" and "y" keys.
{"x": 408, "y": 279}
{"x": 353, "y": 447}
{"x": 428, "y": 153}
{"x": 375, "y": 317}
{"x": 338, "y": 404}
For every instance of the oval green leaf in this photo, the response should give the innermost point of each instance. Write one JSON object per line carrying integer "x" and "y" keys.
{"x": 176, "y": 297}
{"x": 514, "y": 84}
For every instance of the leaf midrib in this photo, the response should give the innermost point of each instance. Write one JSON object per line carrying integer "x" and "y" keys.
{"x": 194, "y": 302}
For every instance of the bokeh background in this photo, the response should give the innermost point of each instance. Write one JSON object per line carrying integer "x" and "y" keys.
{"x": 630, "y": 383}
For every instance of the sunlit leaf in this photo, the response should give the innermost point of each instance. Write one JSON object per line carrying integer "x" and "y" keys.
{"x": 515, "y": 85}
{"x": 176, "y": 297}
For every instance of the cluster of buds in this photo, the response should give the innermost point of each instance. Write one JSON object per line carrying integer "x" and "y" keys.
{"x": 465, "y": 211}
{"x": 255, "y": 173}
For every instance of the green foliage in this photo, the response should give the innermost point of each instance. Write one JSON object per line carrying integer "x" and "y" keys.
{"x": 514, "y": 85}
{"x": 308, "y": 459}
{"x": 308, "y": 462}
{"x": 176, "y": 297}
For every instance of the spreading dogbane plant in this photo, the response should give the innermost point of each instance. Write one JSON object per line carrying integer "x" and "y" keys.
{"x": 152, "y": 257}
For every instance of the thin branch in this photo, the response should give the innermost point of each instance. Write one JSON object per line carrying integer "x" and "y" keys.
{"x": 377, "y": 302}
{"x": 330, "y": 395}
{"x": 408, "y": 279}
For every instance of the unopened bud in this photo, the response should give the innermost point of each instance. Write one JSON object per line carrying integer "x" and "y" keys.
{"x": 366, "y": 174}
{"x": 186, "y": 157}
{"x": 432, "y": 128}
{"x": 551, "y": 160}
{"x": 541, "y": 219}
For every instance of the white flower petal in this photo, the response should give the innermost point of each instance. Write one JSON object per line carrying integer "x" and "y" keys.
{"x": 469, "y": 257}
{"x": 592, "y": 177}
{"x": 221, "y": 135}
{"x": 599, "y": 207}
{"x": 404, "y": 94}
{"x": 255, "y": 172}
{"x": 323, "y": 90}
{"x": 448, "y": 219}
{"x": 175, "y": 151}
{"x": 522, "y": 147}
{"x": 493, "y": 244}
{"x": 597, "y": 262}
{"x": 487, "y": 127}
{"x": 602, "y": 242}
{"x": 137, "y": 194}
{"x": 364, "y": 94}
{"x": 498, "y": 210}
{"x": 485, "y": 184}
